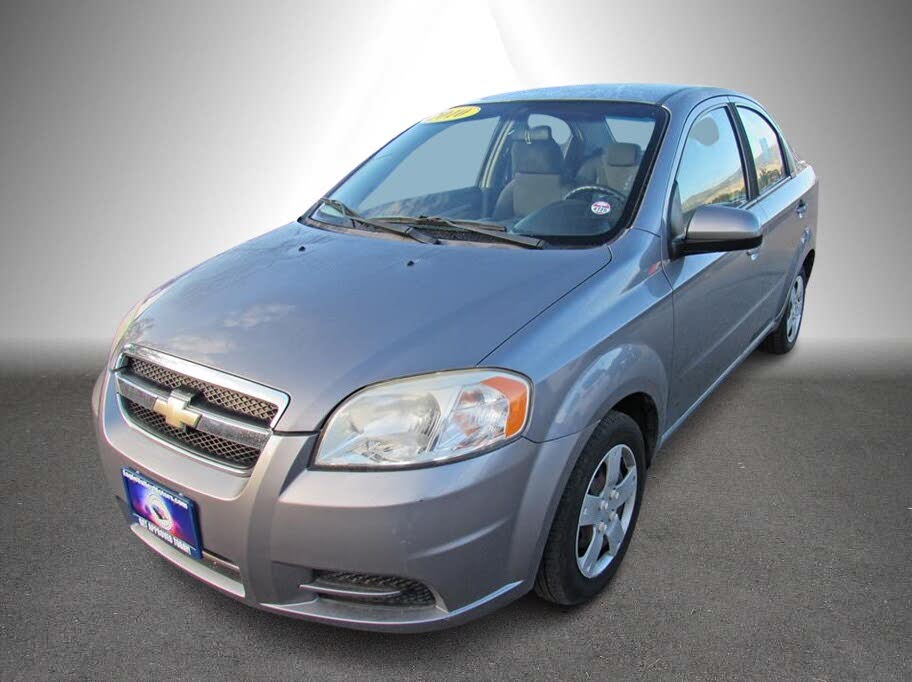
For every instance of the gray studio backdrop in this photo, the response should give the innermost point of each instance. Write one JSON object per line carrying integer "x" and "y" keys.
{"x": 139, "y": 138}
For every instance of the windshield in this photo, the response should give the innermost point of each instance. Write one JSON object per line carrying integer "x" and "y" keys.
{"x": 564, "y": 172}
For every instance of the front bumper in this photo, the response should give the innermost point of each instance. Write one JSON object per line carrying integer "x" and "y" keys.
{"x": 472, "y": 532}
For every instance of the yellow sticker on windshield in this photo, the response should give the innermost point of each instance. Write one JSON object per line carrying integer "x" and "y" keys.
{"x": 453, "y": 114}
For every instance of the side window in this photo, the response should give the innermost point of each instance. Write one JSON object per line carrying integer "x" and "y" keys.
{"x": 765, "y": 149}
{"x": 710, "y": 171}
{"x": 463, "y": 144}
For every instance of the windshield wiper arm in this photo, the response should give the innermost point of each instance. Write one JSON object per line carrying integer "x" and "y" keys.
{"x": 471, "y": 226}
{"x": 495, "y": 227}
{"x": 355, "y": 217}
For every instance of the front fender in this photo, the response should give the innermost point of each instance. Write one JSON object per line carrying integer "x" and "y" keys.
{"x": 622, "y": 371}
{"x": 610, "y": 337}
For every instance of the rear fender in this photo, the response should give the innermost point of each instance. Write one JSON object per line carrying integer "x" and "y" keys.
{"x": 807, "y": 240}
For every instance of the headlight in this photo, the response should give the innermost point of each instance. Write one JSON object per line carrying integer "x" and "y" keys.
{"x": 131, "y": 317}
{"x": 425, "y": 420}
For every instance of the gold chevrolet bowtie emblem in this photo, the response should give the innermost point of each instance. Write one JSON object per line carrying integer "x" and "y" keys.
{"x": 175, "y": 411}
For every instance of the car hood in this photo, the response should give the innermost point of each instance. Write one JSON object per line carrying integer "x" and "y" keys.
{"x": 319, "y": 314}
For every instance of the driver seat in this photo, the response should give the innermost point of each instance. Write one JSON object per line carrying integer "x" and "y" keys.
{"x": 537, "y": 174}
{"x": 616, "y": 167}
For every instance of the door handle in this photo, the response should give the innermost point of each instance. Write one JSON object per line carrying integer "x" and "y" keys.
{"x": 801, "y": 208}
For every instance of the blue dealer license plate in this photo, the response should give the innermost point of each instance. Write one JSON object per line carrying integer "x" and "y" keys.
{"x": 166, "y": 514}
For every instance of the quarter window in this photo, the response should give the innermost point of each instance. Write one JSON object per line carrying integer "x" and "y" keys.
{"x": 765, "y": 148}
{"x": 711, "y": 170}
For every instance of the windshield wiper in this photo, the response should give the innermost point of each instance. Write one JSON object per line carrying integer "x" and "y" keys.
{"x": 355, "y": 217}
{"x": 496, "y": 227}
{"x": 497, "y": 232}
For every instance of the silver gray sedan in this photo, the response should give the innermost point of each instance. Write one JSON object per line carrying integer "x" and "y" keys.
{"x": 441, "y": 387}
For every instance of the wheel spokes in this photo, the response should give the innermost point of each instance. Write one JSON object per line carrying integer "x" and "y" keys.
{"x": 613, "y": 462}
{"x": 615, "y": 535}
{"x": 591, "y": 510}
{"x": 624, "y": 490}
{"x": 796, "y": 309}
{"x": 602, "y": 528}
{"x": 592, "y": 554}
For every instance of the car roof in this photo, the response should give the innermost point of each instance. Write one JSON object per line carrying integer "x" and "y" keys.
{"x": 648, "y": 93}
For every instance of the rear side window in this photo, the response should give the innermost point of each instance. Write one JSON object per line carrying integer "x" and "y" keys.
{"x": 765, "y": 148}
{"x": 710, "y": 171}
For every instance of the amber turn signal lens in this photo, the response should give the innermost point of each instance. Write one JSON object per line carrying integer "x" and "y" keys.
{"x": 518, "y": 398}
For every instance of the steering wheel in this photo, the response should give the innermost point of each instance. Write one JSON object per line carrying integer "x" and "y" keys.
{"x": 599, "y": 189}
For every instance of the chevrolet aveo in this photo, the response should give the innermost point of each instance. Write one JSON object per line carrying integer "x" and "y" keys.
{"x": 441, "y": 387}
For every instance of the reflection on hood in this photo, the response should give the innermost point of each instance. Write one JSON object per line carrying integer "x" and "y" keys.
{"x": 351, "y": 310}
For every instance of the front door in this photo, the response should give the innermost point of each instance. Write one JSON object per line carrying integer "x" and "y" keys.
{"x": 717, "y": 296}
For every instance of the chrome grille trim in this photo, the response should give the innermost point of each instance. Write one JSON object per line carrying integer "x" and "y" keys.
{"x": 210, "y": 376}
{"x": 146, "y": 394}
{"x": 154, "y": 428}
{"x": 230, "y": 429}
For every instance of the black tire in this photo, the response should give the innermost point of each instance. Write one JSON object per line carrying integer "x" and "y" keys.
{"x": 778, "y": 342}
{"x": 559, "y": 578}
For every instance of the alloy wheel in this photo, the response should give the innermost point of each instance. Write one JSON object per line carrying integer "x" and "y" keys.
{"x": 796, "y": 309}
{"x": 606, "y": 511}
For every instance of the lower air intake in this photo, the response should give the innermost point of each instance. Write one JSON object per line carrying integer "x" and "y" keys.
{"x": 371, "y": 589}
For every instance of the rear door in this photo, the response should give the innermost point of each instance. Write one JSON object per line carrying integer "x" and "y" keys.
{"x": 717, "y": 296}
{"x": 781, "y": 198}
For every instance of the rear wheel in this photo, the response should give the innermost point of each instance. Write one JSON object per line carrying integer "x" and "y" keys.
{"x": 596, "y": 515}
{"x": 782, "y": 339}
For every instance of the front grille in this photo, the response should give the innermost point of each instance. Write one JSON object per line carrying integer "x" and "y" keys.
{"x": 201, "y": 443}
{"x": 412, "y": 593}
{"x": 234, "y": 425}
{"x": 226, "y": 399}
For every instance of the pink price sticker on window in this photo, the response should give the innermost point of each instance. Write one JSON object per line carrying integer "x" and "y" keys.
{"x": 600, "y": 207}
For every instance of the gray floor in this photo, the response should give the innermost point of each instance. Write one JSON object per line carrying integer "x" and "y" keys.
{"x": 776, "y": 541}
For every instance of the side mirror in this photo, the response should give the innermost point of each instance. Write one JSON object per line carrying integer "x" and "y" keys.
{"x": 716, "y": 228}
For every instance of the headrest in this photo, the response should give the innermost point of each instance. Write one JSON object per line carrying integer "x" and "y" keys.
{"x": 535, "y": 151}
{"x": 534, "y": 134}
{"x": 622, "y": 154}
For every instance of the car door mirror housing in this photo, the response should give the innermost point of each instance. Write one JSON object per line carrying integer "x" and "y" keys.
{"x": 715, "y": 228}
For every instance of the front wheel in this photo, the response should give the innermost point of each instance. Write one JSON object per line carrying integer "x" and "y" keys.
{"x": 783, "y": 338}
{"x": 596, "y": 515}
